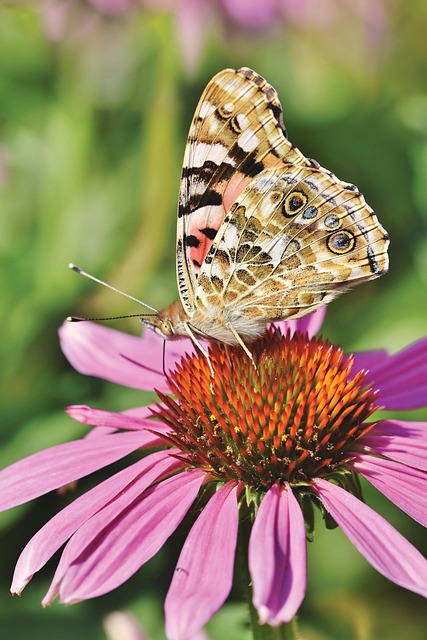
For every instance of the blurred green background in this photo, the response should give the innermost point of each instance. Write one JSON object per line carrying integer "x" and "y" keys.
{"x": 95, "y": 103}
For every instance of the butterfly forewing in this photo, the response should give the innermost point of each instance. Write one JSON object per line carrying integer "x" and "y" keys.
{"x": 236, "y": 133}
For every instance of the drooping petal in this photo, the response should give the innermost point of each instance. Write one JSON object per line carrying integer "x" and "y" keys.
{"x": 402, "y": 428}
{"x": 124, "y": 420}
{"x": 310, "y": 324}
{"x": 384, "y": 547}
{"x": 53, "y": 468}
{"x": 368, "y": 360}
{"x": 402, "y": 378}
{"x": 411, "y": 395}
{"x": 401, "y": 441}
{"x": 129, "y": 360}
{"x": 277, "y": 556}
{"x": 57, "y": 531}
{"x": 99, "y": 432}
{"x": 403, "y": 361}
{"x": 403, "y": 485}
{"x": 119, "y": 539}
{"x": 101, "y": 418}
{"x": 204, "y": 572}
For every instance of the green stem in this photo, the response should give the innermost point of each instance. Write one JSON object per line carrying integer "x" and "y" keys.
{"x": 286, "y": 631}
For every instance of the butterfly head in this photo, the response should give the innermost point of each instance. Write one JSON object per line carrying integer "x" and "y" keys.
{"x": 168, "y": 324}
{"x": 162, "y": 326}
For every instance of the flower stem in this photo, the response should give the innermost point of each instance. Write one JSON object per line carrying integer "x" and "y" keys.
{"x": 287, "y": 631}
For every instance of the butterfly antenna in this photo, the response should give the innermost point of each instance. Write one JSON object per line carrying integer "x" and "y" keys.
{"x": 129, "y": 315}
{"x": 73, "y": 267}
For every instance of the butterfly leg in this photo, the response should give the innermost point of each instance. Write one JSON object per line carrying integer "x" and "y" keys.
{"x": 199, "y": 346}
{"x": 242, "y": 344}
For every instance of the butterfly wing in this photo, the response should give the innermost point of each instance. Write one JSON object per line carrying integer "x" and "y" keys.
{"x": 236, "y": 133}
{"x": 294, "y": 239}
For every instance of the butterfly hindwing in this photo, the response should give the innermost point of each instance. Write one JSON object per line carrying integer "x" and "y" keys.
{"x": 294, "y": 239}
{"x": 237, "y": 132}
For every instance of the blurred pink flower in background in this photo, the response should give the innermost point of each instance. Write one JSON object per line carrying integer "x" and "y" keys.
{"x": 197, "y": 20}
{"x": 271, "y": 442}
{"x": 121, "y": 625}
{"x": 251, "y": 14}
{"x": 74, "y": 20}
{"x": 114, "y": 7}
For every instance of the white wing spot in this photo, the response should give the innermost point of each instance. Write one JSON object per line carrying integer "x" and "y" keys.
{"x": 267, "y": 207}
{"x": 216, "y": 271}
{"x": 276, "y": 248}
{"x": 206, "y": 109}
{"x": 248, "y": 141}
{"x": 230, "y": 237}
{"x": 242, "y": 121}
{"x": 228, "y": 107}
{"x": 204, "y": 151}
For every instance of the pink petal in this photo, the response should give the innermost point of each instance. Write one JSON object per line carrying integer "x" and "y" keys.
{"x": 64, "y": 463}
{"x": 403, "y": 361}
{"x": 402, "y": 378}
{"x": 101, "y": 418}
{"x": 95, "y": 350}
{"x": 124, "y": 420}
{"x": 204, "y": 572}
{"x": 119, "y": 539}
{"x": 277, "y": 556}
{"x": 369, "y": 360}
{"x": 402, "y": 428}
{"x": 310, "y": 324}
{"x": 99, "y": 432}
{"x": 410, "y": 447}
{"x": 386, "y": 549}
{"x": 407, "y": 398}
{"x": 403, "y": 485}
{"x": 57, "y": 531}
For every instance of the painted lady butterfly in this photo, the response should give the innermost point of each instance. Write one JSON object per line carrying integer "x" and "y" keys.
{"x": 264, "y": 233}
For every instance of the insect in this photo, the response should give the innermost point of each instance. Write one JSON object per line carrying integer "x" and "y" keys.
{"x": 264, "y": 233}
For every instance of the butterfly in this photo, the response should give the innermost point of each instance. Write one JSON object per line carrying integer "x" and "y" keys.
{"x": 263, "y": 233}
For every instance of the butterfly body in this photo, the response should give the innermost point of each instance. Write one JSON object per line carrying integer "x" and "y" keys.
{"x": 264, "y": 233}
{"x": 212, "y": 324}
